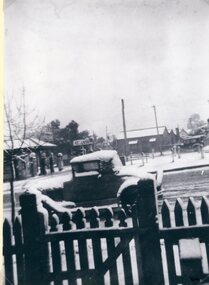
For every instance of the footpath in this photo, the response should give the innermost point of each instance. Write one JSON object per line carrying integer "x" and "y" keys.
{"x": 49, "y": 180}
{"x": 167, "y": 162}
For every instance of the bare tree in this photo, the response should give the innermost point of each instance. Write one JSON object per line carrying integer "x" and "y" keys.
{"x": 20, "y": 124}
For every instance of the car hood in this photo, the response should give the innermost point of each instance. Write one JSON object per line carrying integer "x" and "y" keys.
{"x": 134, "y": 172}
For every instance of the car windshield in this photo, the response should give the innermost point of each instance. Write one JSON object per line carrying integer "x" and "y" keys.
{"x": 86, "y": 166}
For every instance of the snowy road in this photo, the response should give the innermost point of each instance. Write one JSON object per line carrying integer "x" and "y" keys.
{"x": 193, "y": 182}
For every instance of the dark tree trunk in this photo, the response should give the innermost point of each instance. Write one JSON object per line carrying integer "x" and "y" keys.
{"x": 12, "y": 178}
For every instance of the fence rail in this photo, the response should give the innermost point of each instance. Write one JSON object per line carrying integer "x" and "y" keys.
{"x": 94, "y": 246}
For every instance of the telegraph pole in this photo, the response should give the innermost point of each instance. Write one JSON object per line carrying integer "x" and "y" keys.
{"x": 107, "y": 137}
{"x": 156, "y": 123}
{"x": 124, "y": 127}
{"x": 157, "y": 128}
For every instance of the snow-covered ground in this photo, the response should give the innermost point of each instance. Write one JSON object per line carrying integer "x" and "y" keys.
{"x": 167, "y": 162}
{"x": 47, "y": 181}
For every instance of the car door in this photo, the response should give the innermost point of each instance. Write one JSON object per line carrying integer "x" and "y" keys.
{"x": 108, "y": 185}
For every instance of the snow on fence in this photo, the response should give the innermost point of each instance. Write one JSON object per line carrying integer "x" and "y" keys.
{"x": 95, "y": 246}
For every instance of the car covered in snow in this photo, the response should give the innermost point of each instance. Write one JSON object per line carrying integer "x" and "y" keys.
{"x": 100, "y": 178}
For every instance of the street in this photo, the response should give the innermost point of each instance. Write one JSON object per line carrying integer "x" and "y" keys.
{"x": 186, "y": 183}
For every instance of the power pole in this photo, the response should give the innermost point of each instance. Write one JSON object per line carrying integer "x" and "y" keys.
{"x": 107, "y": 137}
{"x": 124, "y": 127}
{"x": 156, "y": 123}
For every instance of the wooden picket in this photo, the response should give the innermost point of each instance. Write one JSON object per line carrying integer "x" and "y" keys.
{"x": 7, "y": 240}
{"x": 97, "y": 247}
{"x": 19, "y": 250}
{"x": 13, "y": 246}
{"x": 179, "y": 213}
{"x": 69, "y": 249}
{"x": 205, "y": 210}
{"x": 96, "y": 242}
{"x": 55, "y": 250}
{"x": 191, "y": 212}
{"x": 166, "y": 214}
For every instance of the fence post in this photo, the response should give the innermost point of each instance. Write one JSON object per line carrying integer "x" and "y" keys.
{"x": 34, "y": 221}
{"x": 142, "y": 159}
{"x": 191, "y": 261}
{"x": 201, "y": 151}
{"x": 150, "y": 267}
{"x": 131, "y": 158}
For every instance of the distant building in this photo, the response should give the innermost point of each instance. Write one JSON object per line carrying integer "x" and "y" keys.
{"x": 183, "y": 134}
{"x": 31, "y": 144}
{"x": 21, "y": 151}
{"x": 146, "y": 140}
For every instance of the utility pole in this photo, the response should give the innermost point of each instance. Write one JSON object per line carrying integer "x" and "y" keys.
{"x": 156, "y": 123}
{"x": 107, "y": 137}
{"x": 124, "y": 127}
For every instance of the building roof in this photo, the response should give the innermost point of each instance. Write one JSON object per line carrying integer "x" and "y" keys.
{"x": 141, "y": 133}
{"x": 27, "y": 143}
{"x": 172, "y": 131}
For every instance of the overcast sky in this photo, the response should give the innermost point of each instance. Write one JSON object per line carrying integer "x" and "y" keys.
{"x": 78, "y": 58}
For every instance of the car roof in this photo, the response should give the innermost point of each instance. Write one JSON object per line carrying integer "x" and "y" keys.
{"x": 104, "y": 155}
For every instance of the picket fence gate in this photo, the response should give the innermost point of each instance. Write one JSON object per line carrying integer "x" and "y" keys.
{"x": 98, "y": 246}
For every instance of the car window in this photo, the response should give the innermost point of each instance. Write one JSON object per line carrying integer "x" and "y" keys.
{"x": 86, "y": 166}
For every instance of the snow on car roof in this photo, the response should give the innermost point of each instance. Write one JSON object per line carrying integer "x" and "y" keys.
{"x": 104, "y": 155}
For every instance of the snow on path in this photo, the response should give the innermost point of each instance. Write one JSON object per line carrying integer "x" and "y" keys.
{"x": 165, "y": 162}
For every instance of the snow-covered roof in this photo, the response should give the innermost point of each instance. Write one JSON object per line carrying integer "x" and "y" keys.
{"x": 172, "y": 131}
{"x": 141, "y": 133}
{"x": 27, "y": 143}
{"x": 104, "y": 155}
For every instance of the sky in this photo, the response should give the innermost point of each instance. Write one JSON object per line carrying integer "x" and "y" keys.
{"x": 78, "y": 58}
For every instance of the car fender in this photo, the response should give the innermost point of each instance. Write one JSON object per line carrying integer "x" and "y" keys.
{"x": 67, "y": 186}
{"x": 129, "y": 182}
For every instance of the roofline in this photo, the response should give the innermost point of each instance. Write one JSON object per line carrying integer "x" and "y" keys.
{"x": 144, "y": 129}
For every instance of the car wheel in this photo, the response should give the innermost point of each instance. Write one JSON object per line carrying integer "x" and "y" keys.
{"x": 128, "y": 198}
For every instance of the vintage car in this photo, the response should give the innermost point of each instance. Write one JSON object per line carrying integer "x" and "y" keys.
{"x": 100, "y": 178}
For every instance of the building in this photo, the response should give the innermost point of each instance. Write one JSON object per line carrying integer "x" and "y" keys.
{"x": 20, "y": 151}
{"x": 147, "y": 140}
